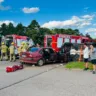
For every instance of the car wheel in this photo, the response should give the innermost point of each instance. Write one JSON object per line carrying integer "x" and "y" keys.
{"x": 40, "y": 62}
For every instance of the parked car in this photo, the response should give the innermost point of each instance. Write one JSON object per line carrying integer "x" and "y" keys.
{"x": 38, "y": 56}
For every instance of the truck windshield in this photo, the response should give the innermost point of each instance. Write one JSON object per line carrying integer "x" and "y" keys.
{"x": 19, "y": 41}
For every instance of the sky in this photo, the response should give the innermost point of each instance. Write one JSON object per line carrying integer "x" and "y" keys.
{"x": 75, "y": 14}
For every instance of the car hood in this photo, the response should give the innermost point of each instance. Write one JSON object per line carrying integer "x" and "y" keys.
{"x": 34, "y": 54}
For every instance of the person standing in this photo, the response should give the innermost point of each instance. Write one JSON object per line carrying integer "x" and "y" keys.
{"x": 93, "y": 57}
{"x": 80, "y": 53}
{"x": 23, "y": 49}
{"x": 72, "y": 53}
{"x": 86, "y": 56}
{"x": 20, "y": 48}
{"x": 26, "y": 46}
{"x": 4, "y": 51}
{"x": 12, "y": 52}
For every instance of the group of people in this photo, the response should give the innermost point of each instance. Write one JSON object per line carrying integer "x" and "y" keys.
{"x": 88, "y": 54}
{"x": 5, "y": 51}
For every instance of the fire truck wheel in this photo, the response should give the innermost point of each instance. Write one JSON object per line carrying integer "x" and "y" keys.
{"x": 40, "y": 62}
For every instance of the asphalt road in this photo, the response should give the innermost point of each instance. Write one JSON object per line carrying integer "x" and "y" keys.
{"x": 49, "y": 80}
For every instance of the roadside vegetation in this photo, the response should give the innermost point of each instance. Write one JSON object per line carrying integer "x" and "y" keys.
{"x": 77, "y": 65}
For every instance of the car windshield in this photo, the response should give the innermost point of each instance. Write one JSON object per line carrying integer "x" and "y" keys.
{"x": 33, "y": 49}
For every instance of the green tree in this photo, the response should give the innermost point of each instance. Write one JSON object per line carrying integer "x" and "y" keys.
{"x": 33, "y": 30}
{"x": 4, "y": 29}
{"x": 20, "y": 29}
{"x": 36, "y": 33}
{"x": 34, "y": 25}
{"x": 68, "y": 31}
{"x": 77, "y": 32}
{"x": 10, "y": 29}
{"x": 87, "y": 35}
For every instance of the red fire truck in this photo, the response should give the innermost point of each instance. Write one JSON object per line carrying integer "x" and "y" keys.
{"x": 56, "y": 41}
{"x": 17, "y": 40}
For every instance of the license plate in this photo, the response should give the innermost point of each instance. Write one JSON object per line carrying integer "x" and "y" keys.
{"x": 29, "y": 58}
{"x": 23, "y": 55}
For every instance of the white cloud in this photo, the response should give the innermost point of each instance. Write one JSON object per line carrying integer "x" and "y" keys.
{"x": 31, "y": 10}
{"x": 90, "y": 30}
{"x": 1, "y": 1}
{"x": 89, "y": 17}
{"x": 60, "y": 24}
{"x": 85, "y": 24}
{"x": 7, "y": 22}
{"x": 75, "y": 21}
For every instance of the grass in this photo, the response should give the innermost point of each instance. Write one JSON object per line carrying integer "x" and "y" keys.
{"x": 77, "y": 65}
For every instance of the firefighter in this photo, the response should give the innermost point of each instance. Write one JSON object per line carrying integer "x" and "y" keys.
{"x": 20, "y": 48}
{"x": 4, "y": 51}
{"x": 12, "y": 52}
{"x": 25, "y": 46}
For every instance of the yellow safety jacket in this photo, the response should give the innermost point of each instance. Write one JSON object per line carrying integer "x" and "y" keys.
{"x": 12, "y": 49}
{"x": 26, "y": 46}
{"x": 4, "y": 49}
{"x": 20, "y": 49}
{"x": 23, "y": 49}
